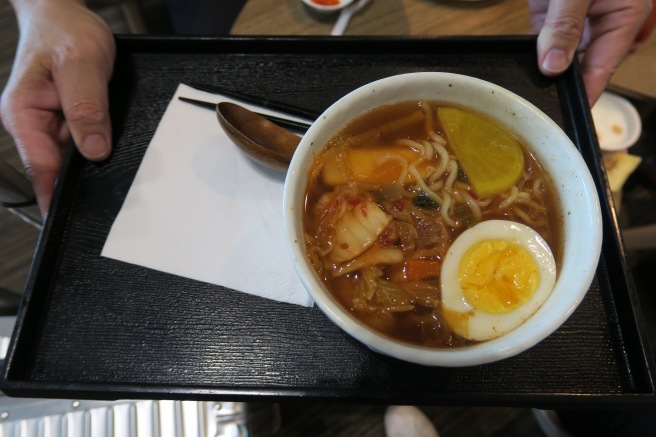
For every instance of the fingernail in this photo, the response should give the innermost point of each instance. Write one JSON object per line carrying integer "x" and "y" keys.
{"x": 556, "y": 61}
{"x": 94, "y": 146}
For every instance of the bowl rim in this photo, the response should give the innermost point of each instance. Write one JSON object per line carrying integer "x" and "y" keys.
{"x": 489, "y": 351}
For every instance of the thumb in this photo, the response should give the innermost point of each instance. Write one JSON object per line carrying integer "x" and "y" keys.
{"x": 561, "y": 35}
{"x": 83, "y": 93}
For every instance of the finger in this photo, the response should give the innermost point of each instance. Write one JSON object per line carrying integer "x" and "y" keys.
{"x": 43, "y": 169}
{"x": 611, "y": 40}
{"x": 83, "y": 93}
{"x": 647, "y": 27}
{"x": 561, "y": 34}
{"x": 538, "y": 11}
{"x": 41, "y": 156}
{"x": 29, "y": 113}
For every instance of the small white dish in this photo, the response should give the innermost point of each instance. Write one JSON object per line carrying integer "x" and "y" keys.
{"x": 325, "y": 7}
{"x": 617, "y": 122}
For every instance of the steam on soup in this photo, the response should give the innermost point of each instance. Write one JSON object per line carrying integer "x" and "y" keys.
{"x": 432, "y": 225}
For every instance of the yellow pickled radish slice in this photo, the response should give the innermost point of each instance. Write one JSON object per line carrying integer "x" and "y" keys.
{"x": 490, "y": 157}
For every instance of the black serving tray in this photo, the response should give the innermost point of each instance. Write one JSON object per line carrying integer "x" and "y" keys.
{"x": 92, "y": 327}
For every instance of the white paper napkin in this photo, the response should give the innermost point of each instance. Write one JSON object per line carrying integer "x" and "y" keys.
{"x": 200, "y": 208}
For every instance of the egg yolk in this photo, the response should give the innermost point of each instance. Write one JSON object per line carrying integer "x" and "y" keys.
{"x": 497, "y": 276}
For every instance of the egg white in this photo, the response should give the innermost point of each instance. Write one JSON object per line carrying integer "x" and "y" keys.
{"x": 478, "y": 325}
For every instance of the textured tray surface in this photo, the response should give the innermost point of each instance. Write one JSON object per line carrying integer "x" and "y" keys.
{"x": 97, "y": 327}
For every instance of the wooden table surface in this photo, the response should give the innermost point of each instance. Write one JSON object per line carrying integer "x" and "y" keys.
{"x": 427, "y": 17}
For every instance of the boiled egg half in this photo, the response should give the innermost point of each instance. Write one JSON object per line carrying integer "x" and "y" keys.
{"x": 495, "y": 276}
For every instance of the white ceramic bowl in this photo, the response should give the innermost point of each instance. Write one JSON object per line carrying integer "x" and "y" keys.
{"x": 552, "y": 148}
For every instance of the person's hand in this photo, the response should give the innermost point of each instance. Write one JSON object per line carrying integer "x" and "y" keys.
{"x": 58, "y": 87}
{"x": 602, "y": 31}
{"x": 646, "y": 30}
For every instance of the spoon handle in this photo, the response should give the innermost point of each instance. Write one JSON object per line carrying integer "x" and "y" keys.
{"x": 297, "y": 126}
{"x": 260, "y": 101}
{"x": 345, "y": 17}
{"x": 201, "y": 103}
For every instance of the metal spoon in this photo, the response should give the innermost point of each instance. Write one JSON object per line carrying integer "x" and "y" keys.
{"x": 262, "y": 140}
{"x": 345, "y": 17}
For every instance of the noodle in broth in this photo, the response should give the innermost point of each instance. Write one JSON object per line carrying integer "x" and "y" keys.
{"x": 385, "y": 200}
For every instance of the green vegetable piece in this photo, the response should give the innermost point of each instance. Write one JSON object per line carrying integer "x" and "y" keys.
{"x": 425, "y": 202}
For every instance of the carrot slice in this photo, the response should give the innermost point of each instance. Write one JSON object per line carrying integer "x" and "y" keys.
{"x": 419, "y": 269}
